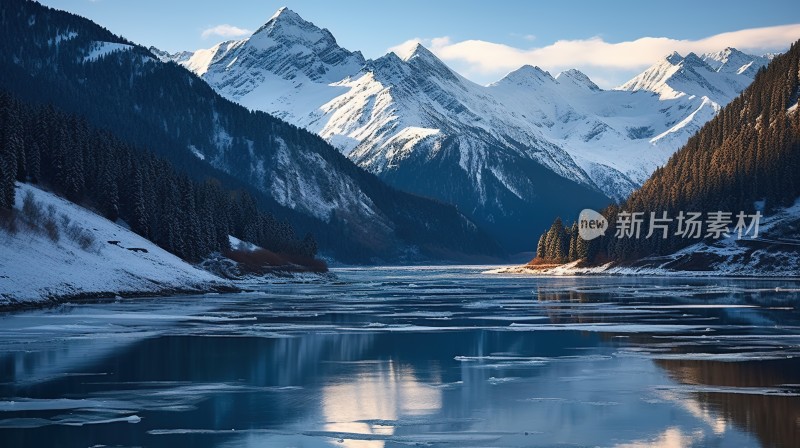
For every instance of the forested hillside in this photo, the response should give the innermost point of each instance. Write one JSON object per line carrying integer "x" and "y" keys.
{"x": 190, "y": 219}
{"x": 746, "y": 158}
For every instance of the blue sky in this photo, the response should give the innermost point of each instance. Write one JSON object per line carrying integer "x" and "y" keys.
{"x": 521, "y": 27}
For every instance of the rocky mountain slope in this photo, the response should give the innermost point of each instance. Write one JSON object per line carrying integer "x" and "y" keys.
{"x": 528, "y": 144}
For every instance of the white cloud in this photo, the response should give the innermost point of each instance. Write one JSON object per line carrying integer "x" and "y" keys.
{"x": 607, "y": 63}
{"x": 225, "y": 30}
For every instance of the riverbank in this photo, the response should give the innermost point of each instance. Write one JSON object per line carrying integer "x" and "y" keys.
{"x": 690, "y": 265}
{"x": 56, "y": 251}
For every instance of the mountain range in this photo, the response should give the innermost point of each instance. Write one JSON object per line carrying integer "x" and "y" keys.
{"x": 509, "y": 154}
{"x": 741, "y": 166}
{"x": 68, "y": 62}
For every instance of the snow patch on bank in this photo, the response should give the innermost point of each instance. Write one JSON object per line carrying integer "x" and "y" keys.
{"x": 33, "y": 268}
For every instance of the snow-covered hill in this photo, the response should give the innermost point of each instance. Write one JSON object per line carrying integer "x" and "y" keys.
{"x": 106, "y": 259}
{"x": 405, "y": 114}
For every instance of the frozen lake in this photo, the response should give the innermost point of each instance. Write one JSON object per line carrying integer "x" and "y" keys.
{"x": 397, "y": 357}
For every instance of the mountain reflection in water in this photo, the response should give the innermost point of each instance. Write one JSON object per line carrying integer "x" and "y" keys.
{"x": 413, "y": 356}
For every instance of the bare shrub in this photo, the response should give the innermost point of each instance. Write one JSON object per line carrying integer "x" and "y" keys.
{"x": 32, "y": 211}
{"x": 34, "y": 215}
{"x": 84, "y": 238}
{"x": 50, "y": 224}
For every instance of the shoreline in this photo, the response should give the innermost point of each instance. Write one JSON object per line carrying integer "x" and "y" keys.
{"x": 106, "y": 296}
{"x": 572, "y": 270}
{"x": 229, "y": 286}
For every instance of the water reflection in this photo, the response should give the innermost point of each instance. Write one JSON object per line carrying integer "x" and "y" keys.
{"x": 387, "y": 393}
{"x": 762, "y": 397}
{"x": 670, "y": 438}
{"x": 391, "y": 358}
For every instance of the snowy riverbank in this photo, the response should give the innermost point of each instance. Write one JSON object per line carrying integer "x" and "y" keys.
{"x": 85, "y": 255}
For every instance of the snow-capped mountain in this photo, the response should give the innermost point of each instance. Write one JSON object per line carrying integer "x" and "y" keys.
{"x": 69, "y": 62}
{"x": 719, "y": 76}
{"x": 288, "y": 62}
{"x": 731, "y": 60}
{"x": 503, "y": 153}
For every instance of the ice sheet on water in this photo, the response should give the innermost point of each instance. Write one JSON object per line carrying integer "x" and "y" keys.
{"x": 611, "y": 327}
{"x": 407, "y": 328}
{"x": 502, "y": 380}
{"x": 24, "y": 423}
{"x": 33, "y": 404}
{"x": 81, "y": 412}
{"x": 767, "y": 391}
{"x": 130, "y": 317}
{"x": 421, "y": 314}
{"x": 696, "y": 306}
{"x": 416, "y": 421}
{"x": 544, "y": 399}
{"x": 289, "y": 438}
{"x": 452, "y": 385}
{"x": 78, "y": 421}
{"x": 729, "y": 357}
{"x": 518, "y": 361}
{"x": 431, "y": 438}
{"x": 759, "y": 354}
{"x": 509, "y": 318}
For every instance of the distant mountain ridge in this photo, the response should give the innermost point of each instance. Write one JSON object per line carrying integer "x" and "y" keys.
{"x": 742, "y": 166}
{"x": 525, "y": 146}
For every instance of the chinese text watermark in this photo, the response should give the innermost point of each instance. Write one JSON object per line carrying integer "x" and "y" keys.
{"x": 689, "y": 225}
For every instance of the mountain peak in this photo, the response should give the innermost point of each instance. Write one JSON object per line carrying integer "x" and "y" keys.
{"x": 284, "y": 13}
{"x": 693, "y": 60}
{"x": 576, "y": 77}
{"x": 288, "y": 24}
{"x": 731, "y": 60}
{"x": 725, "y": 54}
{"x": 420, "y": 51}
{"x": 674, "y": 58}
{"x": 288, "y": 29}
{"x": 287, "y": 46}
{"x": 412, "y": 50}
{"x": 527, "y": 76}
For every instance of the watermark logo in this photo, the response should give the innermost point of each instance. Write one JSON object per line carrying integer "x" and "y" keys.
{"x": 690, "y": 225}
{"x": 591, "y": 224}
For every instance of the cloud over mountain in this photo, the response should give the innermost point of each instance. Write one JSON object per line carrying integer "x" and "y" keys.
{"x": 226, "y": 31}
{"x": 607, "y": 63}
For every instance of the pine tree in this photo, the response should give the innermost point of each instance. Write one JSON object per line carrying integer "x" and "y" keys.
{"x": 8, "y": 174}
{"x": 540, "y": 247}
{"x": 573, "y": 242}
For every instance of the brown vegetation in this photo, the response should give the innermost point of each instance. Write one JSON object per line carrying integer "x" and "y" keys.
{"x": 262, "y": 261}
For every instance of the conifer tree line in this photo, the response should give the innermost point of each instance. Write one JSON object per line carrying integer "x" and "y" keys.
{"x": 562, "y": 244}
{"x": 188, "y": 218}
{"x": 748, "y": 154}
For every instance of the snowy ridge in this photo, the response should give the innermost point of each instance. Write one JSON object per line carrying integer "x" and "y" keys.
{"x": 380, "y": 112}
{"x": 33, "y": 268}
